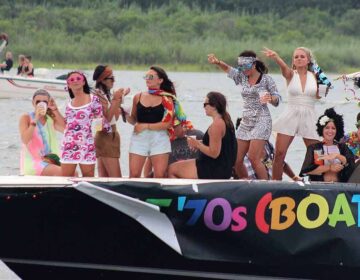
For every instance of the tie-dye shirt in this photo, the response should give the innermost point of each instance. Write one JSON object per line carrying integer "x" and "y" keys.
{"x": 43, "y": 142}
{"x": 353, "y": 143}
{"x": 78, "y": 140}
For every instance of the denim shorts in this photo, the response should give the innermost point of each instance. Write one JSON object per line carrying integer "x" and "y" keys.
{"x": 150, "y": 143}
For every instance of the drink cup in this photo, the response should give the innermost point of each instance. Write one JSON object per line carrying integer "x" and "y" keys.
{"x": 318, "y": 155}
{"x": 192, "y": 136}
{"x": 43, "y": 106}
{"x": 322, "y": 90}
{"x": 262, "y": 93}
{"x": 96, "y": 125}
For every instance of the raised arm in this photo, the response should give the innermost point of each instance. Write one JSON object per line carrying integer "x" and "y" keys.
{"x": 222, "y": 65}
{"x": 286, "y": 71}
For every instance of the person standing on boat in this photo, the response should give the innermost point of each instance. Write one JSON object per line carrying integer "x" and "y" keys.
{"x": 329, "y": 160}
{"x": 8, "y": 63}
{"x": 152, "y": 115}
{"x": 4, "y": 40}
{"x": 258, "y": 89}
{"x": 299, "y": 118}
{"x": 107, "y": 142}
{"x": 40, "y": 149}
{"x": 83, "y": 114}
{"x": 217, "y": 149}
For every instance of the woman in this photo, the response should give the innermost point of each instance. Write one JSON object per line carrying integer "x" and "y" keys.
{"x": 39, "y": 142}
{"x": 258, "y": 89}
{"x": 329, "y": 160}
{"x": 81, "y": 112}
{"x": 218, "y": 148}
{"x": 300, "y": 117}
{"x": 107, "y": 142}
{"x": 152, "y": 115}
{"x": 27, "y": 69}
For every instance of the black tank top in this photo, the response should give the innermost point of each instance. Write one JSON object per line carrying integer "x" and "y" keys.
{"x": 220, "y": 167}
{"x": 149, "y": 114}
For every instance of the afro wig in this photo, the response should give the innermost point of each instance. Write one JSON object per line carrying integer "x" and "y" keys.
{"x": 331, "y": 116}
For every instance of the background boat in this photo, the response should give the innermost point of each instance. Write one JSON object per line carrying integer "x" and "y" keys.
{"x": 18, "y": 86}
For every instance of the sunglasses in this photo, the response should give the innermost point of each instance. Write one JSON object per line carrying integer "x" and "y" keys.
{"x": 38, "y": 101}
{"x": 112, "y": 78}
{"x": 207, "y": 103}
{"x": 149, "y": 77}
{"x": 74, "y": 79}
{"x": 244, "y": 67}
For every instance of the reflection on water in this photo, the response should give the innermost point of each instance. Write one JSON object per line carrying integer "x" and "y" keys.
{"x": 191, "y": 90}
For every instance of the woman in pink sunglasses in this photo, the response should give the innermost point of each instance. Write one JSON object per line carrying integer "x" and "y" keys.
{"x": 81, "y": 113}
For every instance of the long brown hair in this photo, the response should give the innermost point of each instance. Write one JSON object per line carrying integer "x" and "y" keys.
{"x": 218, "y": 100}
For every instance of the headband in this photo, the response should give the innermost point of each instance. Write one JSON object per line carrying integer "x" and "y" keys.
{"x": 246, "y": 60}
{"x": 106, "y": 73}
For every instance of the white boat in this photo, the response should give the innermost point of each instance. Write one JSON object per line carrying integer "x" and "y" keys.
{"x": 18, "y": 86}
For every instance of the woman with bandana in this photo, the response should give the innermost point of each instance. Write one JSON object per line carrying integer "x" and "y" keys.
{"x": 107, "y": 142}
{"x": 329, "y": 160}
{"x": 258, "y": 89}
{"x": 152, "y": 115}
{"x": 303, "y": 79}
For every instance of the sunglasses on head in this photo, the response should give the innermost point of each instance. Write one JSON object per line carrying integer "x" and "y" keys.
{"x": 112, "y": 78}
{"x": 38, "y": 101}
{"x": 246, "y": 66}
{"x": 74, "y": 79}
{"x": 150, "y": 77}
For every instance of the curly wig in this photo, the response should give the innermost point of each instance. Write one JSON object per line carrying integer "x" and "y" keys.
{"x": 335, "y": 118}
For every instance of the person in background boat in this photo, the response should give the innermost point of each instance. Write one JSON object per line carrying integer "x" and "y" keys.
{"x": 258, "y": 89}
{"x": 218, "y": 148}
{"x": 107, "y": 142}
{"x": 27, "y": 69}
{"x": 180, "y": 149}
{"x": 152, "y": 115}
{"x": 40, "y": 148}
{"x": 8, "y": 63}
{"x": 352, "y": 140}
{"x": 4, "y": 41}
{"x": 329, "y": 160}
{"x": 83, "y": 115}
{"x": 267, "y": 159}
{"x": 21, "y": 60}
{"x": 299, "y": 118}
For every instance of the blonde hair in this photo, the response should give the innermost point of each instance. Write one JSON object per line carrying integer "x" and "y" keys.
{"x": 309, "y": 55}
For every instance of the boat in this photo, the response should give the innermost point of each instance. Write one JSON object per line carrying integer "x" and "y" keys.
{"x": 18, "y": 86}
{"x": 107, "y": 228}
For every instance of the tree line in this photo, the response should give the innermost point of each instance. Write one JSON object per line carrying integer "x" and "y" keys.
{"x": 180, "y": 32}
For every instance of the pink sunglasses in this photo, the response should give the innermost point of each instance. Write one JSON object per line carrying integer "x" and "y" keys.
{"x": 75, "y": 78}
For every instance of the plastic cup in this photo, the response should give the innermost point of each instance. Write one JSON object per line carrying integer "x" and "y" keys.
{"x": 262, "y": 93}
{"x": 43, "y": 105}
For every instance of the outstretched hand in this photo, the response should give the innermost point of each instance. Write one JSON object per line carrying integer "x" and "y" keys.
{"x": 270, "y": 53}
{"x": 213, "y": 59}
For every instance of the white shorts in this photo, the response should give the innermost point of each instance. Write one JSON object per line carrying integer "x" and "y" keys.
{"x": 150, "y": 143}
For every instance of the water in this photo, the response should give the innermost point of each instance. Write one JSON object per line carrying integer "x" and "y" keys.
{"x": 191, "y": 90}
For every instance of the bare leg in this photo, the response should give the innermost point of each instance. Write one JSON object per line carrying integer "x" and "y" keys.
{"x": 160, "y": 164}
{"x": 148, "y": 169}
{"x": 256, "y": 150}
{"x": 183, "y": 169}
{"x": 68, "y": 169}
{"x": 240, "y": 169}
{"x": 52, "y": 170}
{"x": 112, "y": 166}
{"x": 87, "y": 170}
{"x": 136, "y": 163}
{"x": 101, "y": 168}
{"x": 281, "y": 146}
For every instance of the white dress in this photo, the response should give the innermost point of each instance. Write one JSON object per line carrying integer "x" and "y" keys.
{"x": 299, "y": 117}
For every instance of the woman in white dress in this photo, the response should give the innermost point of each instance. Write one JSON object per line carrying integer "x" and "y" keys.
{"x": 299, "y": 118}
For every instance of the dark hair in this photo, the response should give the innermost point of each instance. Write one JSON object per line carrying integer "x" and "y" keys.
{"x": 167, "y": 85}
{"x": 218, "y": 100}
{"x": 357, "y": 82}
{"x": 86, "y": 87}
{"x": 97, "y": 72}
{"x": 259, "y": 65}
{"x": 238, "y": 121}
{"x": 336, "y": 119}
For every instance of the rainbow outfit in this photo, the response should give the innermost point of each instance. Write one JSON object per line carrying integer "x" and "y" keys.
{"x": 43, "y": 142}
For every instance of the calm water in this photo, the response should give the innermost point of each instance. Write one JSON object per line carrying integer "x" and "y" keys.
{"x": 191, "y": 89}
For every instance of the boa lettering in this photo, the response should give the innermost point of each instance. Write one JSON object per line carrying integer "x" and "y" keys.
{"x": 283, "y": 213}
